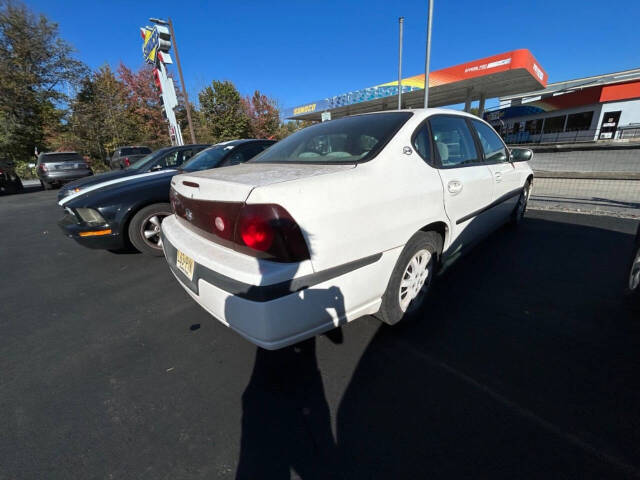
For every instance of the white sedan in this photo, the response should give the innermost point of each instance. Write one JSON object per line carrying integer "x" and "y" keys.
{"x": 342, "y": 219}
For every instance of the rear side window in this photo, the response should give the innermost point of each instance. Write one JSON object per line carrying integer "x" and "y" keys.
{"x": 494, "y": 149}
{"x": 134, "y": 151}
{"x": 453, "y": 141}
{"x": 345, "y": 140}
{"x": 422, "y": 143}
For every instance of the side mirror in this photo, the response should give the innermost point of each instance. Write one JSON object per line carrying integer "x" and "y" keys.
{"x": 521, "y": 154}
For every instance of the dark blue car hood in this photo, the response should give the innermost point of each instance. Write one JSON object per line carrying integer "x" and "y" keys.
{"x": 95, "y": 179}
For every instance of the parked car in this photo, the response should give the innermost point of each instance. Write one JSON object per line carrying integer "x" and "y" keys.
{"x": 57, "y": 168}
{"x": 128, "y": 211}
{"x": 124, "y": 156}
{"x": 633, "y": 288}
{"x": 342, "y": 219}
{"x": 169, "y": 157}
{"x": 9, "y": 180}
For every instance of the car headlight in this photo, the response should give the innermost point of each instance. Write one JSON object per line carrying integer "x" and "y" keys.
{"x": 90, "y": 216}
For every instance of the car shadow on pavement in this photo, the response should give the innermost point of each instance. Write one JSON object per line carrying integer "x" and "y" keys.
{"x": 524, "y": 364}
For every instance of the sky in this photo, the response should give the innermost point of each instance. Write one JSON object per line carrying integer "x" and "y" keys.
{"x": 305, "y": 50}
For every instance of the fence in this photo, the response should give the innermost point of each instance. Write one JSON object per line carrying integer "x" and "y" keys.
{"x": 599, "y": 179}
{"x": 573, "y": 137}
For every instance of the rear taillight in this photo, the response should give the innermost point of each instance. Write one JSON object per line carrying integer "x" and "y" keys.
{"x": 126, "y": 162}
{"x": 43, "y": 167}
{"x": 262, "y": 230}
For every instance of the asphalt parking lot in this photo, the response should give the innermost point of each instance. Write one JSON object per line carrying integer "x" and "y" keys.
{"x": 526, "y": 365}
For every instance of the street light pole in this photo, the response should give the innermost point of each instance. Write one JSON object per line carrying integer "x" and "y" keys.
{"x": 184, "y": 89}
{"x": 401, "y": 22}
{"x": 428, "y": 56}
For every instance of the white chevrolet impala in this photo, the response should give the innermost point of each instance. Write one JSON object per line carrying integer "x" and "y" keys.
{"x": 342, "y": 219}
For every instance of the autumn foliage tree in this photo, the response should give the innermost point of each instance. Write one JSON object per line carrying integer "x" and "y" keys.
{"x": 264, "y": 117}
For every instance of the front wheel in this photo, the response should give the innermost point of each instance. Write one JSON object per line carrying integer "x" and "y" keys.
{"x": 521, "y": 206}
{"x": 633, "y": 287}
{"x": 144, "y": 228}
{"x": 411, "y": 278}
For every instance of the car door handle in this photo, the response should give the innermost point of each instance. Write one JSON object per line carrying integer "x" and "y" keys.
{"x": 498, "y": 176}
{"x": 454, "y": 187}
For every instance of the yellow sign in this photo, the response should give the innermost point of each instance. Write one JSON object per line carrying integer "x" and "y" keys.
{"x": 150, "y": 44}
{"x": 306, "y": 109}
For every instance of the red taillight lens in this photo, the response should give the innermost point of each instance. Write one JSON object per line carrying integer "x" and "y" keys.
{"x": 263, "y": 230}
{"x": 43, "y": 167}
{"x": 256, "y": 233}
{"x": 126, "y": 161}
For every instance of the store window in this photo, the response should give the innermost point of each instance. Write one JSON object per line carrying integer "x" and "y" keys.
{"x": 579, "y": 121}
{"x": 534, "y": 127}
{"x": 554, "y": 124}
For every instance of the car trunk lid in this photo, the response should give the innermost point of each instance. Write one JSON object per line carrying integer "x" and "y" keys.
{"x": 234, "y": 184}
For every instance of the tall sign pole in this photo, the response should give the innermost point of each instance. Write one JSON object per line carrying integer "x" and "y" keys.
{"x": 401, "y": 23}
{"x": 155, "y": 50}
{"x": 184, "y": 88}
{"x": 428, "y": 56}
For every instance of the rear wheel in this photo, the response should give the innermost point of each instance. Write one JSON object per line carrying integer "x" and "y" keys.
{"x": 18, "y": 185}
{"x": 45, "y": 185}
{"x": 144, "y": 228}
{"x": 411, "y": 278}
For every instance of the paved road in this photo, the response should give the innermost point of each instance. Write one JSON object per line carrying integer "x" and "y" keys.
{"x": 527, "y": 365}
{"x": 617, "y": 197}
{"x": 600, "y": 160}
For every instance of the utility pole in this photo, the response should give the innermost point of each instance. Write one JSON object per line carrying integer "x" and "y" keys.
{"x": 184, "y": 88}
{"x": 428, "y": 56}
{"x": 401, "y": 24}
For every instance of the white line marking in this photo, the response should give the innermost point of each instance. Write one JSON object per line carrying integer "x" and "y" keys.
{"x": 111, "y": 182}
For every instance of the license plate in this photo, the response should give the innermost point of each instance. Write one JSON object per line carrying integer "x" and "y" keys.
{"x": 185, "y": 264}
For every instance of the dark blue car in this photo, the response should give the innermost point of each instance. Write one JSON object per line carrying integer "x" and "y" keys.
{"x": 125, "y": 209}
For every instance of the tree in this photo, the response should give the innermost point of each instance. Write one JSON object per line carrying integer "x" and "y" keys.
{"x": 144, "y": 106}
{"x": 36, "y": 71}
{"x": 264, "y": 116}
{"x": 223, "y": 113}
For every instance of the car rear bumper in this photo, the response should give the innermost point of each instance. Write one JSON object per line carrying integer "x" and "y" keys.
{"x": 72, "y": 229}
{"x": 274, "y": 314}
{"x": 64, "y": 177}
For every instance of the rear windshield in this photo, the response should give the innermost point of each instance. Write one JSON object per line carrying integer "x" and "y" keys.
{"x": 207, "y": 158}
{"x": 135, "y": 151}
{"x": 61, "y": 157}
{"x": 346, "y": 140}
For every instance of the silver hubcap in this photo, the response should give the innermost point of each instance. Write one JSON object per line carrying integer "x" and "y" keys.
{"x": 413, "y": 284}
{"x": 151, "y": 229}
{"x": 634, "y": 277}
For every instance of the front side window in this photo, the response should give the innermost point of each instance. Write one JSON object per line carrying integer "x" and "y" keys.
{"x": 493, "y": 148}
{"x": 453, "y": 141}
{"x": 345, "y": 140}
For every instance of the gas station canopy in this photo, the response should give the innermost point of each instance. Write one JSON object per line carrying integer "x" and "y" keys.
{"x": 497, "y": 76}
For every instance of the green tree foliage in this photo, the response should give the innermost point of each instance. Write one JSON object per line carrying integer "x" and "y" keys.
{"x": 37, "y": 70}
{"x": 223, "y": 113}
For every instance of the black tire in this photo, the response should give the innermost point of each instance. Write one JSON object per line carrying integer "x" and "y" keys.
{"x": 45, "y": 185}
{"x": 141, "y": 222}
{"x": 18, "y": 185}
{"x": 521, "y": 207}
{"x": 633, "y": 286}
{"x": 391, "y": 311}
